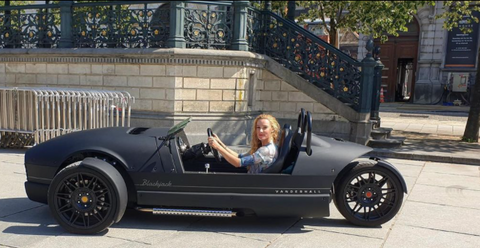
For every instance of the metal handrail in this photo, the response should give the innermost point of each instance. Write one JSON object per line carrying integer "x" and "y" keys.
{"x": 312, "y": 37}
{"x": 116, "y": 3}
{"x": 225, "y": 3}
{"x": 30, "y": 116}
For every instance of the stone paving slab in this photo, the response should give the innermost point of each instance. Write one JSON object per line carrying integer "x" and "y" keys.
{"x": 403, "y": 236}
{"x": 440, "y": 217}
{"x": 454, "y": 169}
{"x": 263, "y": 229}
{"x": 440, "y": 211}
{"x": 455, "y": 196}
{"x": 449, "y": 180}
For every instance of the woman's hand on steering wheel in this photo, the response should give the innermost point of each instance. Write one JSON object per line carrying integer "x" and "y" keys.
{"x": 214, "y": 144}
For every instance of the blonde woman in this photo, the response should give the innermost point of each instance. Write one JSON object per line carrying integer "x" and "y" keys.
{"x": 263, "y": 151}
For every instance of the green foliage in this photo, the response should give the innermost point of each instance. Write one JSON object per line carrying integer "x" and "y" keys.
{"x": 16, "y": 3}
{"x": 378, "y": 18}
{"x": 455, "y": 12}
{"x": 465, "y": 139}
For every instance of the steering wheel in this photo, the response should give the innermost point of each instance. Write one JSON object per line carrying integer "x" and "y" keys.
{"x": 214, "y": 151}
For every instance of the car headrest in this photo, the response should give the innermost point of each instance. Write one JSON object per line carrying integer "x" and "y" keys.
{"x": 299, "y": 133}
{"x": 284, "y": 146}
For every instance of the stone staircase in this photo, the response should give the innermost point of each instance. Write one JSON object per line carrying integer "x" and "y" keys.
{"x": 381, "y": 137}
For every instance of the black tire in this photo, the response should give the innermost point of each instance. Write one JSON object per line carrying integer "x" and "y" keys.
{"x": 368, "y": 195}
{"x": 84, "y": 201}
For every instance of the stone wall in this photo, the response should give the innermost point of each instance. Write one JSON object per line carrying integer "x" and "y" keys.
{"x": 282, "y": 100}
{"x": 432, "y": 48}
{"x": 223, "y": 90}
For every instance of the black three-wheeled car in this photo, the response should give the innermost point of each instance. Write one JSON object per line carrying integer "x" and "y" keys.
{"x": 89, "y": 178}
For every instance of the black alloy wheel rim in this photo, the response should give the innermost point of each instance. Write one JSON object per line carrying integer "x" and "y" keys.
{"x": 83, "y": 200}
{"x": 371, "y": 195}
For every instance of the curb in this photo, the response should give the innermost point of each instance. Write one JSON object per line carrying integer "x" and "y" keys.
{"x": 425, "y": 157}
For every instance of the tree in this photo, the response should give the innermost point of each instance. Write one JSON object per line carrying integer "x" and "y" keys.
{"x": 457, "y": 11}
{"x": 376, "y": 18}
{"x": 473, "y": 121}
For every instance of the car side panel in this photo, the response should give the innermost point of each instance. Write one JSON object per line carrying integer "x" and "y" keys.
{"x": 265, "y": 194}
{"x": 262, "y": 204}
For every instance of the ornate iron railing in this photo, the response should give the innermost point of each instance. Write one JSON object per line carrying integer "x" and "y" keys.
{"x": 303, "y": 52}
{"x": 208, "y": 25}
{"x": 29, "y": 26}
{"x": 116, "y": 24}
{"x": 121, "y": 25}
{"x": 255, "y": 30}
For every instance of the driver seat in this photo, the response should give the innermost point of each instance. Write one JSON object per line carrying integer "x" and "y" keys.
{"x": 284, "y": 146}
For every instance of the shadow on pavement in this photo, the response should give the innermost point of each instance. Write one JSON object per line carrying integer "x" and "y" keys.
{"x": 13, "y": 151}
{"x": 435, "y": 143}
{"x": 32, "y": 219}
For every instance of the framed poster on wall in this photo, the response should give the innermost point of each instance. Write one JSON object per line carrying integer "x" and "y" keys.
{"x": 462, "y": 48}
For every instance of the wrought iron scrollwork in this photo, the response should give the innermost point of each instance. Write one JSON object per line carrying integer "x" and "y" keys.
{"x": 208, "y": 26}
{"x": 32, "y": 30}
{"x": 121, "y": 26}
{"x": 322, "y": 67}
{"x": 254, "y": 30}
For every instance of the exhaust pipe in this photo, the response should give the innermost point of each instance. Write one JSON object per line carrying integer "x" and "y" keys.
{"x": 189, "y": 212}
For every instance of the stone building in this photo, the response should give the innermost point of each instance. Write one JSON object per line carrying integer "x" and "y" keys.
{"x": 428, "y": 64}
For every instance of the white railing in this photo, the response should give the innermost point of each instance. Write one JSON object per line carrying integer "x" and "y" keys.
{"x": 29, "y": 116}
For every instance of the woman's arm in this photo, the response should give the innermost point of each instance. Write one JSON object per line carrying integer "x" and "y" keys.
{"x": 231, "y": 158}
{"x": 225, "y": 147}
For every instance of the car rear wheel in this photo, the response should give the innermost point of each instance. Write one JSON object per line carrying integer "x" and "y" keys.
{"x": 84, "y": 201}
{"x": 369, "y": 195}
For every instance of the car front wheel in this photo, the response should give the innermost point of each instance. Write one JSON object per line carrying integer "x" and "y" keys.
{"x": 84, "y": 201}
{"x": 369, "y": 195}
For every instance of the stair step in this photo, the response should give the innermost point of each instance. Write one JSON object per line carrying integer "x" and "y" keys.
{"x": 381, "y": 133}
{"x": 392, "y": 142}
{"x": 383, "y": 129}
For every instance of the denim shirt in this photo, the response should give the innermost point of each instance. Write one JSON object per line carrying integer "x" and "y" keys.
{"x": 260, "y": 159}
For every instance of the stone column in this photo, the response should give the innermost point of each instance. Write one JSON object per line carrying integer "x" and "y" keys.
{"x": 240, "y": 26}
{"x": 177, "y": 20}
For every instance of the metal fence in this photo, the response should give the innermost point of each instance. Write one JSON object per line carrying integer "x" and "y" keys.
{"x": 30, "y": 116}
{"x": 117, "y": 24}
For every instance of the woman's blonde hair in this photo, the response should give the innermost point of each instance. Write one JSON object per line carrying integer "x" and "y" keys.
{"x": 256, "y": 143}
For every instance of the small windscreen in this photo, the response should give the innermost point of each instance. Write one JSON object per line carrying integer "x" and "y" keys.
{"x": 179, "y": 127}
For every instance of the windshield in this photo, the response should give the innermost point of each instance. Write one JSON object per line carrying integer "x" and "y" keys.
{"x": 179, "y": 127}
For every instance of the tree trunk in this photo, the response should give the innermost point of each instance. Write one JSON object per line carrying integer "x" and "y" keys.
{"x": 333, "y": 37}
{"x": 473, "y": 122}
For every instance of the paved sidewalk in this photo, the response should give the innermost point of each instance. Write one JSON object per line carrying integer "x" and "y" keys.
{"x": 440, "y": 210}
{"x": 432, "y": 132}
